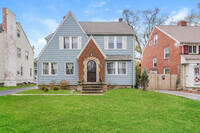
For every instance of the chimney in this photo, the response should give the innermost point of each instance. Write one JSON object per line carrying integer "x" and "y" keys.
{"x": 4, "y": 25}
{"x": 182, "y": 23}
{"x": 120, "y": 19}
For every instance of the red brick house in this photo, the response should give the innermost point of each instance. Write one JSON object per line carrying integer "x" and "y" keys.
{"x": 174, "y": 50}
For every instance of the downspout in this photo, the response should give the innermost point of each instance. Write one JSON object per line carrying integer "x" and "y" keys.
{"x": 134, "y": 74}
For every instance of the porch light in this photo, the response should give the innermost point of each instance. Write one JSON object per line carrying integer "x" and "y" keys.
{"x": 91, "y": 54}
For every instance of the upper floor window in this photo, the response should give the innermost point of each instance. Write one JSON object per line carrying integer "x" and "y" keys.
{"x": 166, "y": 71}
{"x": 74, "y": 43}
{"x": 115, "y": 42}
{"x": 18, "y": 52}
{"x": 18, "y": 33}
{"x": 111, "y": 42}
{"x": 154, "y": 62}
{"x": 66, "y": 42}
{"x": 150, "y": 43}
{"x": 69, "y": 68}
{"x": 50, "y": 68}
{"x": 166, "y": 53}
{"x": 192, "y": 49}
{"x": 155, "y": 39}
{"x": 26, "y": 55}
{"x": 117, "y": 68}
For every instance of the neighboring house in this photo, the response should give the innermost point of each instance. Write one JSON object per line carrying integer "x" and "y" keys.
{"x": 174, "y": 50}
{"x": 88, "y": 51}
{"x": 16, "y": 53}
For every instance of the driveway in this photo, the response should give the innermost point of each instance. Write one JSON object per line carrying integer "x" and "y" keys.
{"x": 13, "y": 91}
{"x": 182, "y": 94}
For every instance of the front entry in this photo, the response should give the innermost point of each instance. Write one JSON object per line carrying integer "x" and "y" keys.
{"x": 91, "y": 71}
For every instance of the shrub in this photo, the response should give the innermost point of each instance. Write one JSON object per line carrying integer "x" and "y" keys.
{"x": 144, "y": 80}
{"x": 52, "y": 84}
{"x": 79, "y": 81}
{"x": 55, "y": 88}
{"x": 46, "y": 89}
{"x": 64, "y": 84}
{"x": 43, "y": 87}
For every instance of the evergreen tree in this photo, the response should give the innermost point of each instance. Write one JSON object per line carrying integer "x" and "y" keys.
{"x": 144, "y": 80}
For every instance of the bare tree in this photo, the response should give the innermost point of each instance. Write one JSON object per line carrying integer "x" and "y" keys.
{"x": 194, "y": 17}
{"x": 143, "y": 23}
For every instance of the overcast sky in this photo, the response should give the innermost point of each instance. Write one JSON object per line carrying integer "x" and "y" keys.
{"x": 40, "y": 18}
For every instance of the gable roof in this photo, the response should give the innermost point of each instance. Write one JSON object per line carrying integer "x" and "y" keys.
{"x": 53, "y": 34}
{"x": 106, "y": 28}
{"x": 91, "y": 38}
{"x": 184, "y": 34}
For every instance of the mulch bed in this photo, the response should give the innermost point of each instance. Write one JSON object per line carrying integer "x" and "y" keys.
{"x": 193, "y": 92}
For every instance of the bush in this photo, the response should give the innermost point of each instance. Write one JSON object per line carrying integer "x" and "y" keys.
{"x": 43, "y": 87}
{"x": 64, "y": 84}
{"x": 55, "y": 88}
{"x": 79, "y": 81}
{"x": 46, "y": 89}
{"x": 144, "y": 80}
{"x": 52, "y": 84}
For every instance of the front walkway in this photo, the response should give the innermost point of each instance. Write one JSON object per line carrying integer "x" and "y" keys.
{"x": 182, "y": 94}
{"x": 13, "y": 91}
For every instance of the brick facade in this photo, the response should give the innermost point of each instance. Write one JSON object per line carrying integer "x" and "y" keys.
{"x": 91, "y": 52}
{"x": 157, "y": 51}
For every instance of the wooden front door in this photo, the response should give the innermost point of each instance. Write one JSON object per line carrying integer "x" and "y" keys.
{"x": 91, "y": 71}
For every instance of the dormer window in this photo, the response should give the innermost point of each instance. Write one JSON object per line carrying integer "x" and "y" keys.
{"x": 18, "y": 33}
{"x": 155, "y": 39}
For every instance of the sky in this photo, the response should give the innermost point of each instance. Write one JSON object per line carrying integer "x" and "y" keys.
{"x": 39, "y": 18}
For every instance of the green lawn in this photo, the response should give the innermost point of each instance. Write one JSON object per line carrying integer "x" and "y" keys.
{"x": 36, "y": 91}
{"x": 122, "y": 110}
{"x": 15, "y": 87}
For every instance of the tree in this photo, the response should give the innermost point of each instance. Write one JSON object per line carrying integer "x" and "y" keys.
{"x": 193, "y": 18}
{"x": 143, "y": 23}
{"x": 138, "y": 73}
{"x": 144, "y": 80}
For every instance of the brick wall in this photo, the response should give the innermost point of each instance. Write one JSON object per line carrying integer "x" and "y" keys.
{"x": 96, "y": 55}
{"x": 157, "y": 51}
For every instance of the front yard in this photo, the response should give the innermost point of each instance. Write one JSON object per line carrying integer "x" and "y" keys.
{"x": 122, "y": 110}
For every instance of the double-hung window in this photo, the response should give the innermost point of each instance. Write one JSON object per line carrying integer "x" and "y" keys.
{"x": 155, "y": 39}
{"x": 166, "y": 71}
{"x": 154, "y": 62}
{"x": 110, "y": 67}
{"x": 166, "y": 53}
{"x": 18, "y": 52}
{"x": 66, "y": 42}
{"x": 116, "y": 68}
{"x": 192, "y": 49}
{"x": 111, "y": 42}
{"x": 50, "y": 68}
{"x": 119, "y": 42}
{"x": 69, "y": 68}
{"x": 74, "y": 43}
{"x": 26, "y": 55}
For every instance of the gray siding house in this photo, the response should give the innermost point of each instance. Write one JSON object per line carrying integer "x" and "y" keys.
{"x": 90, "y": 52}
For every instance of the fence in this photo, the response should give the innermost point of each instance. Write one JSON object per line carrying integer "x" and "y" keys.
{"x": 162, "y": 82}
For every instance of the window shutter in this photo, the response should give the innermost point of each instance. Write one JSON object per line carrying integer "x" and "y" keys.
{"x": 79, "y": 42}
{"x": 105, "y": 42}
{"x": 199, "y": 49}
{"x": 124, "y": 42}
{"x": 61, "y": 42}
{"x": 186, "y": 49}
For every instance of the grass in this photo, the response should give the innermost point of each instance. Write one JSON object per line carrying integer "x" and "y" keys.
{"x": 122, "y": 110}
{"x": 15, "y": 87}
{"x": 36, "y": 91}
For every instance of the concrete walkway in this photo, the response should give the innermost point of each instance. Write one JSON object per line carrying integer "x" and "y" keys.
{"x": 58, "y": 94}
{"x": 182, "y": 94}
{"x": 13, "y": 91}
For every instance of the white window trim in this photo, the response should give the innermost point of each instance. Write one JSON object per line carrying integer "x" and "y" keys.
{"x": 150, "y": 42}
{"x": 116, "y": 68}
{"x": 165, "y": 69}
{"x": 66, "y": 69}
{"x": 197, "y": 49}
{"x": 115, "y": 43}
{"x": 70, "y": 43}
{"x": 155, "y": 39}
{"x": 164, "y": 53}
{"x": 49, "y": 69}
{"x": 156, "y": 63}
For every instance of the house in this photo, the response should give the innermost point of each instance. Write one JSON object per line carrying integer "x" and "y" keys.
{"x": 16, "y": 53}
{"x": 90, "y": 52}
{"x": 174, "y": 50}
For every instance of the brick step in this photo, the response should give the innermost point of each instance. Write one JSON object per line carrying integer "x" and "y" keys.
{"x": 92, "y": 89}
{"x": 91, "y": 86}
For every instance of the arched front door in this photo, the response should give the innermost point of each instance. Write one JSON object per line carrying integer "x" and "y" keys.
{"x": 91, "y": 71}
